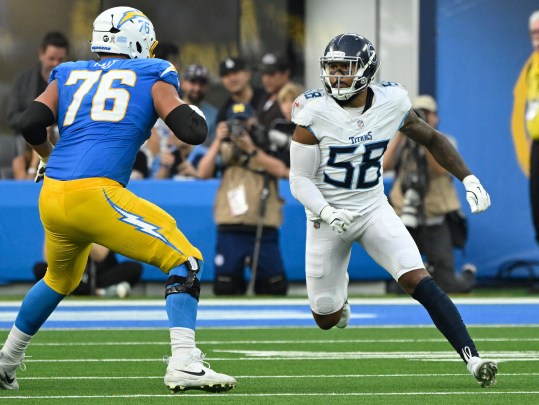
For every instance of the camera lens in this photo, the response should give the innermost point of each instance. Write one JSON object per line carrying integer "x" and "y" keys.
{"x": 409, "y": 208}
{"x": 409, "y": 216}
{"x": 236, "y": 127}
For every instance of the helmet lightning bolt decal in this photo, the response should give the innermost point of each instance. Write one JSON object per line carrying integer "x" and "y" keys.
{"x": 129, "y": 15}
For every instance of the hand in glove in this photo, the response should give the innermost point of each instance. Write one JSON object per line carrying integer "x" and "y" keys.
{"x": 41, "y": 169}
{"x": 339, "y": 219}
{"x": 476, "y": 195}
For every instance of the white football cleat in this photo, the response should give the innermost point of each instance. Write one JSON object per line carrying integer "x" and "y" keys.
{"x": 345, "y": 316}
{"x": 8, "y": 373}
{"x": 193, "y": 373}
{"x": 483, "y": 370}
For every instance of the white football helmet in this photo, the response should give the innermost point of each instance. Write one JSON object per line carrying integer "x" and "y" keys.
{"x": 124, "y": 31}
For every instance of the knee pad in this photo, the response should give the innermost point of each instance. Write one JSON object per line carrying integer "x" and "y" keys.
{"x": 325, "y": 302}
{"x": 229, "y": 285}
{"x": 276, "y": 285}
{"x": 190, "y": 284}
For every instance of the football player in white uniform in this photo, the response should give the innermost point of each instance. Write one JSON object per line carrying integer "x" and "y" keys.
{"x": 342, "y": 132}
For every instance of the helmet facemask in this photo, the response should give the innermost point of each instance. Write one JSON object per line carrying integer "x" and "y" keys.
{"x": 351, "y": 56}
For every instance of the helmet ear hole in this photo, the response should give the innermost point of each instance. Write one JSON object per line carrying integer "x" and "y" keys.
{"x": 139, "y": 47}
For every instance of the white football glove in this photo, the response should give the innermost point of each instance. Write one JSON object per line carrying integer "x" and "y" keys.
{"x": 41, "y": 169}
{"x": 476, "y": 194}
{"x": 339, "y": 219}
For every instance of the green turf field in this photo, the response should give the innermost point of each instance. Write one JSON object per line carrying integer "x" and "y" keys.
{"x": 276, "y": 366}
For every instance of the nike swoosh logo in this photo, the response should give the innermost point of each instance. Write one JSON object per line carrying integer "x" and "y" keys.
{"x": 5, "y": 378}
{"x": 199, "y": 374}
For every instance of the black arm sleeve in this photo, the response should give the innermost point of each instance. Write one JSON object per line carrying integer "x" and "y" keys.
{"x": 187, "y": 125}
{"x": 37, "y": 118}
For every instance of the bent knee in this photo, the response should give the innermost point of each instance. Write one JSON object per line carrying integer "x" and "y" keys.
{"x": 409, "y": 281}
{"x": 326, "y": 322}
{"x": 64, "y": 287}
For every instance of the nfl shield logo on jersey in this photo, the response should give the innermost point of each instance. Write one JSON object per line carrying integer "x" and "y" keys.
{"x": 360, "y": 124}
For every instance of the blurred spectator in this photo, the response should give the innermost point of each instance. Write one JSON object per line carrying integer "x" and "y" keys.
{"x": 236, "y": 79}
{"x": 248, "y": 208}
{"x": 104, "y": 275}
{"x": 526, "y": 117}
{"x": 179, "y": 160}
{"x": 141, "y": 168}
{"x": 195, "y": 87}
{"x": 159, "y": 137}
{"x": 168, "y": 51}
{"x": 32, "y": 82}
{"x": 275, "y": 73}
{"x": 25, "y": 164}
{"x": 286, "y": 96}
{"x": 424, "y": 196}
{"x": 281, "y": 129}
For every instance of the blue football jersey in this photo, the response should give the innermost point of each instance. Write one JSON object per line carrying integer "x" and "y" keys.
{"x": 105, "y": 113}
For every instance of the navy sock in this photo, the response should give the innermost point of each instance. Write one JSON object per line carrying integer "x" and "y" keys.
{"x": 181, "y": 308}
{"x": 445, "y": 316}
{"x": 37, "y": 306}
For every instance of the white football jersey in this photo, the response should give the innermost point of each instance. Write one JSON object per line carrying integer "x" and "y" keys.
{"x": 352, "y": 143}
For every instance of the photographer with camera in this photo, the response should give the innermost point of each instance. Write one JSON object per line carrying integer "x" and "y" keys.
{"x": 424, "y": 196}
{"x": 248, "y": 208}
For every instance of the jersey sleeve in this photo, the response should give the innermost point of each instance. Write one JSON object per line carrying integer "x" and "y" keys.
{"x": 300, "y": 112}
{"x": 402, "y": 102}
{"x": 168, "y": 74}
{"x": 55, "y": 73}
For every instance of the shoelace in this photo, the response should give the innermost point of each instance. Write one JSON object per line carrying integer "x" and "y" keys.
{"x": 22, "y": 365}
{"x": 200, "y": 359}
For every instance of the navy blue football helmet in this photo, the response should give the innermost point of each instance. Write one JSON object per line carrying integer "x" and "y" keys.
{"x": 355, "y": 51}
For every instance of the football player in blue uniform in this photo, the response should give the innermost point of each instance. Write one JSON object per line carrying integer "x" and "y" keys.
{"x": 105, "y": 110}
{"x": 336, "y": 156}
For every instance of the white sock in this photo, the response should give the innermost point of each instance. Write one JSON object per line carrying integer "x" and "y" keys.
{"x": 16, "y": 344}
{"x": 182, "y": 341}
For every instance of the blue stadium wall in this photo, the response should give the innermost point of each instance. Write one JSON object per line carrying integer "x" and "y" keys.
{"x": 481, "y": 48}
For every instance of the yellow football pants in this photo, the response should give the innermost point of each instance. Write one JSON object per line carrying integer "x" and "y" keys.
{"x": 77, "y": 213}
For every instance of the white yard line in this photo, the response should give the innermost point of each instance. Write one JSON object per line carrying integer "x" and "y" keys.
{"x": 284, "y": 342}
{"x": 262, "y": 377}
{"x": 282, "y": 394}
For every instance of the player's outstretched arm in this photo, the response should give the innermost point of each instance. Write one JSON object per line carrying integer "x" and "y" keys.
{"x": 437, "y": 144}
{"x": 187, "y": 122}
{"x": 448, "y": 157}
